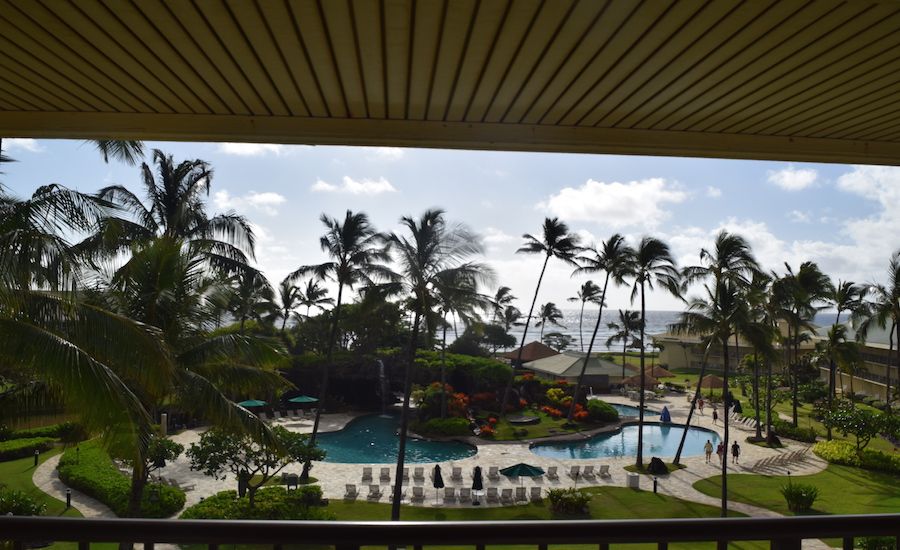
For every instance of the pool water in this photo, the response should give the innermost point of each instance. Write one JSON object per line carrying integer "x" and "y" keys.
{"x": 631, "y": 410}
{"x": 371, "y": 439}
{"x": 659, "y": 440}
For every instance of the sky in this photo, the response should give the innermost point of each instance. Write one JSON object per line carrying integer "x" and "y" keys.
{"x": 845, "y": 218}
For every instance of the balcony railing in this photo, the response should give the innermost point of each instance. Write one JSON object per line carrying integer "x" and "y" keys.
{"x": 782, "y": 533}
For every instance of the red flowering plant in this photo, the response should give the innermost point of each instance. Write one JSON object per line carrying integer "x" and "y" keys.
{"x": 492, "y": 421}
{"x": 487, "y": 431}
{"x": 522, "y": 403}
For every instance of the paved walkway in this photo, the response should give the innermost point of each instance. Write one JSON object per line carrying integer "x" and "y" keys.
{"x": 46, "y": 479}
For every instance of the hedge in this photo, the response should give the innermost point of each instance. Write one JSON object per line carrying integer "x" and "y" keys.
{"x": 20, "y": 448}
{"x": 66, "y": 431}
{"x": 844, "y": 452}
{"x": 444, "y": 427}
{"x": 304, "y": 503}
{"x": 601, "y": 411}
{"x": 92, "y": 472}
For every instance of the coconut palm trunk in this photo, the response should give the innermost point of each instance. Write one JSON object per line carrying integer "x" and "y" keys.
{"x": 725, "y": 416}
{"x": 587, "y": 357}
{"x": 770, "y": 439}
{"x": 697, "y": 395}
{"x": 404, "y": 420}
{"x": 444, "y": 372}
{"x": 639, "y": 461}
{"x": 756, "y": 395}
{"x": 887, "y": 368}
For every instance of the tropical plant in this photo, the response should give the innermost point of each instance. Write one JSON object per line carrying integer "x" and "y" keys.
{"x": 252, "y": 298}
{"x": 313, "y": 295}
{"x": 837, "y": 350}
{"x": 548, "y": 313}
{"x": 589, "y": 292}
{"x": 288, "y": 300}
{"x": 629, "y": 323}
{"x": 501, "y": 300}
{"x": 885, "y": 311}
{"x": 555, "y": 242}
{"x": 558, "y": 340}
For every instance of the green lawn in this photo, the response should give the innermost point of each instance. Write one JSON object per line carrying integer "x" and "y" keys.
{"x": 548, "y": 426}
{"x": 842, "y": 490}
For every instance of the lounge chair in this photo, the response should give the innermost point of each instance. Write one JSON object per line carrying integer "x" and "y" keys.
{"x": 536, "y": 494}
{"x": 374, "y": 492}
{"x": 177, "y": 485}
{"x": 449, "y": 494}
{"x": 405, "y": 474}
{"x": 493, "y": 495}
{"x": 604, "y": 470}
{"x": 367, "y": 474}
{"x": 385, "y": 476}
{"x": 418, "y": 494}
{"x": 351, "y": 493}
{"x": 588, "y": 472}
{"x": 551, "y": 473}
{"x": 574, "y": 472}
{"x": 402, "y": 494}
{"x": 457, "y": 474}
{"x": 465, "y": 495}
{"x": 521, "y": 494}
{"x": 494, "y": 473}
{"x": 506, "y": 496}
{"x": 419, "y": 474}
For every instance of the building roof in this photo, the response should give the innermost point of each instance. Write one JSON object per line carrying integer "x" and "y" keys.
{"x": 531, "y": 351}
{"x": 568, "y": 365}
{"x": 802, "y": 81}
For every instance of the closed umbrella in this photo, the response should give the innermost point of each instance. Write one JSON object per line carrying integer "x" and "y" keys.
{"x": 521, "y": 470}
{"x": 477, "y": 484}
{"x": 250, "y": 403}
{"x": 664, "y": 416}
{"x": 438, "y": 482}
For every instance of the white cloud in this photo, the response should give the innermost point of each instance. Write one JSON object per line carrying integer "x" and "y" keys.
{"x": 22, "y": 144}
{"x": 251, "y": 149}
{"x": 388, "y": 154}
{"x": 616, "y": 204}
{"x": 799, "y": 216}
{"x": 793, "y": 179}
{"x": 713, "y": 192}
{"x": 266, "y": 202}
{"x": 351, "y": 186}
{"x": 492, "y": 235}
{"x": 486, "y": 204}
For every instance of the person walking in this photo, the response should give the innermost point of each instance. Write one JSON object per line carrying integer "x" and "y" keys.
{"x": 715, "y": 415}
{"x": 700, "y": 404}
{"x": 735, "y": 452}
{"x": 720, "y": 450}
{"x": 708, "y": 449}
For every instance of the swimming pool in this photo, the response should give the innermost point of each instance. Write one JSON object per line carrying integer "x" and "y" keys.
{"x": 659, "y": 440}
{"x": 371, "y": 439}
{"x": 631, "y": 410}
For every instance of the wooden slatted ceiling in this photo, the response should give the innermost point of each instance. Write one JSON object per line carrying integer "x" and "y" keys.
{"x": 779, "y": 79}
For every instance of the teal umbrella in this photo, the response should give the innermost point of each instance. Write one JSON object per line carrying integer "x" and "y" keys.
{"x": 522, "y": 470}
{"x": 252, "y": 403}
{"x": 303, "y": 399}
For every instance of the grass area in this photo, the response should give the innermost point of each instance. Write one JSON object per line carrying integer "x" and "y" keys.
{"x": 842, "y": 490}
{"x": 546, "y": 427}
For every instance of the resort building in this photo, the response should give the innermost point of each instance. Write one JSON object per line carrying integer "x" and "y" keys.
{"x": 601, "y": 373}
{"x": 871, "y": 377}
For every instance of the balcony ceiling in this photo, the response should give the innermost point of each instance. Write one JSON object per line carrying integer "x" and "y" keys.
{"x": 811, "y": 80}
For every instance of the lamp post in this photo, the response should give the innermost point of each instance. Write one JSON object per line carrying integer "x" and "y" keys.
{"x": 37, "y": 455}
{"x": 68, "y": 498}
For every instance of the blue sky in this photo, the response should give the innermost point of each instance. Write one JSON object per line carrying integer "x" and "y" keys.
{"x": 846, "y": 218}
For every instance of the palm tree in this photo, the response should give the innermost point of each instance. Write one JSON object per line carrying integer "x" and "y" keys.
{"x": 356, "y": 251}
{"x": 885, "y": 311}
{"x": 510, "y": 318}
{"x": 432, "y": 253}
{"x": 548, "y": 313}
{"x": 844, "y": 296}
{"x": 629, "y": 323}
{"x": 652, "y": 264}
{"x": 759, "y": 329}
{"x": 127, "y": 151}
{"x": 288, "y": 301}
{"x": 253, "y": 297}
{"x": 502, "y": 299}
{"x": 314, "y": 296}
{"x": 555, "y": 242}
{"x": 614, "y": 258}
{"x": 589, "y": 292}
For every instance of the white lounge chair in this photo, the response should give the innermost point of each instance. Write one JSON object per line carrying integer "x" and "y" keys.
{"x": 419, "y": 474}
{"x": 494, "y": 473}
{"x": 402, "y": 494}
{"x": 374, "y": 492}
{"x": 521, "y": 494}
{"x": 457, "y": 474}
{"x": 493, "y": 495}
{"x": 385, "y": 476}
{"x": 536, "y": 494}
{"x": 351, "y": 493}
{"x": 506, "y": 496}
{"x": 418, "y": 494}
{"x": 604, "y": 471}
{"x": 551, "y": 473}
{"x": 574, "y": 472}
{"x": 367, "y": 474}
{"x": 449, "y": 494}
{"x": 465, "y": 495}
{"x": 588, "y": 472}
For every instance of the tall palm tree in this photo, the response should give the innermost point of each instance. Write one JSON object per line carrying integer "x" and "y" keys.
{"x": 614, "y": 258}
{"x": 357, "y": 252}
{"x": 844, "y": 296}
{"x": 548, "y": 313}
{"x": 288, "y": 301}
{"x": 253, "y": 297}
{"x": 759, "y": 328}
{"x": 432, "y": 253}
{"x": 502, "y": 299}
{"x": 510, "y": 318}
{"x": 127, "y": 151}
{"x": 555, "y": 242}
{"x": 589, "y": 292}
{"x": 885, "y": 311}
{"x": 839, "y": 350}
{"x": 652, "y": 264}
{"x": 313, "y": 295}
{"x": 629, "y": 323}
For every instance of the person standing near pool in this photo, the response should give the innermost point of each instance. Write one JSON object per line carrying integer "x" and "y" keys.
{"x": 720, "y": 450}
{"x": 715, "y": 415}
{"x": 735, "y": 452}
{"x": 708, "y": 449}
{"x": 700, "y": 404}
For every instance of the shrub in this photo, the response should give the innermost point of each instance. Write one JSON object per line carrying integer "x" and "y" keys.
{"x": 19, "y": 503}
{"x": 785, "y": 429}
{"x": 601, "y": 411}
{"x": 276, "y": 503}
{"x": 487, "y": 431}
{"x": 813, "y": 391}
{"x": 19, "y": 448}
{"x": 552, "y": 412}
{"x": 843, "y": 452}
{"x": 799, "y": 496}
{"x": 445, "y": 427}
{"x": 66, "y": 431}
{"x": 92, "y": 472}
{"x": 568, "y": 502}
{"x": 876, "y": 543}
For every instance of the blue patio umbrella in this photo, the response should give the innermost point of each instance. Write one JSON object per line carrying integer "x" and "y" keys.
{"x": 664, "y": 416}
{"x": 303, "y": 399}
{"x": 250, "y": 403}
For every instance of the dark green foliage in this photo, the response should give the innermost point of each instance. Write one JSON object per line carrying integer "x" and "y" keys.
{"x": 863, "y": 424}
{"x": 842, "y": 452}
{"x": 785, "y": 429}
{"x": 467, "y": 373}
{"x": 304, "y": 503}
{"x": 443, "y": 427}
{"x": 19, "y": 503}
{"x": 876, "y": 543}
{"x": 601, "y": 411}
{"x": 799, "y": 496}
{"x": 19, "y": 448}
{"x": 813, "y": 391}
{"x": 91, "y": 471}
{"x": 569, "y": 502}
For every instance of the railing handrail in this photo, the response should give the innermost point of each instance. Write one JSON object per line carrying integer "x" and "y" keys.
{"x": 20, "y": 528}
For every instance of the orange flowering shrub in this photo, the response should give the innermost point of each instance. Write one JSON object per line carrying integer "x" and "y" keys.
{"x": 492, "y": 421}
{"x": 523, "y": 403}
{"x": 487, "y": 431}
{"x": 550, "y": 411}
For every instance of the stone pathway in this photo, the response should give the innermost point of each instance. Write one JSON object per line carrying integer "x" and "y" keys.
{"x": 46, "y": 479}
